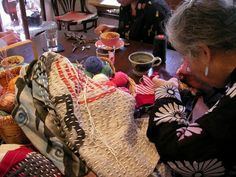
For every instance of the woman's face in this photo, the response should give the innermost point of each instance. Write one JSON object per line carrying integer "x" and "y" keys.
{"x": 196, "y": 69}
{"x": 197, "y": 66}
{"x": 125, "y": 2}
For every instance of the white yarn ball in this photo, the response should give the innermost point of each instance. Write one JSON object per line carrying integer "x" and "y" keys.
{"x": 100, "y": 78}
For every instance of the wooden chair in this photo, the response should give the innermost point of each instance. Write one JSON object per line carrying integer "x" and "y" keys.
{"x": 72, "y": 17}
{"x": 26, "y": 49}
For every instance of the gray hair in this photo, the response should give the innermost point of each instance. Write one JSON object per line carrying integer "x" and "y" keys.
{"x": 211, "y": 22}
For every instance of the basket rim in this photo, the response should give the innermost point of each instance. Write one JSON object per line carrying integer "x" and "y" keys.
{"x": 110, "y": 63}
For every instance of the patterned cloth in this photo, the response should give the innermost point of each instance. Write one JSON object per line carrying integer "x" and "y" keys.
{"x": 22, "y": 161}
{"x": 203, "y": 148}
{"x": 146, "y": 22}
{"x": 79, "y": 124}
{"x": 144, "y": 92}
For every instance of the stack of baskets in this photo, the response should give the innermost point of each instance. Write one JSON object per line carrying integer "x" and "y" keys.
{"x": 10, "y": 132}
{"x": 131, "y": 83}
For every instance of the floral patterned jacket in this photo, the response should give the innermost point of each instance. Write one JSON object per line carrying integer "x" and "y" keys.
{"x": 203, "y": 148}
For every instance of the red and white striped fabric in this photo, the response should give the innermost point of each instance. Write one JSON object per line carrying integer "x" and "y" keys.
{"x": 146, "y": 88}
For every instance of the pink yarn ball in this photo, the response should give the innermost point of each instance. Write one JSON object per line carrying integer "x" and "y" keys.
{"x": 120, "y": 79}
{"x": 110, "y": 83}
{"x": 124, "y": 89}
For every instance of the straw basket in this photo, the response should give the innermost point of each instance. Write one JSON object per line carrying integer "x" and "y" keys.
{"x": 8, "y": 88}
{"x": 131, "y": 82}
{"x": 6, "y": 75}
{"x": 10, "y": 132}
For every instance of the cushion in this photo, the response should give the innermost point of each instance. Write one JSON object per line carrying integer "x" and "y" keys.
{"x": 75, "y": 17}
{"x": 19, "y": 160}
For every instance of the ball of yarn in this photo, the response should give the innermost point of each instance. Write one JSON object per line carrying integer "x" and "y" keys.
{"x": 120, "y": 79}
{"x": 124, "y": 89}
{"x": 110, "y": 83}
{"x": 107, "y": 70}
{"x": 88, "y": 74}
{"x": 93, "y": 65}
{"x": 100, "y": 78}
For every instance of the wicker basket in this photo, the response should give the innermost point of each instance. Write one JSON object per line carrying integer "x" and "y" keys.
{"x": 131, "y": 83}
{"x": 10, "y": 132}
{"x": 8, "y": 87}
{"x": 6, "y": 75}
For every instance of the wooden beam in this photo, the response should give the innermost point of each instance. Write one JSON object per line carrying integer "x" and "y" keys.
{"x": 42, "y": 5}
{"x": 24, "y": 19}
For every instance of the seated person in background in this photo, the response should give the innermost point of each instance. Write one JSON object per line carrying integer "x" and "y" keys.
{"x": 204, "y": 32}
{"x": 139, "y": 20}
{"x": 7, "y": 38}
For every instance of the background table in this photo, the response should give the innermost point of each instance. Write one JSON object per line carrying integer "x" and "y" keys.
{"x": 106, "y": 7}
{"x": 107, "y": 4}
{"x": 166, "y": 70}
{"x": 173, "y": 59}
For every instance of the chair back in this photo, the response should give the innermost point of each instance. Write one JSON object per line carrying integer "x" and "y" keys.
{"x": 72, "y": 16}
{"x": 67, "y": 6}
{"x": 26, "y": 49}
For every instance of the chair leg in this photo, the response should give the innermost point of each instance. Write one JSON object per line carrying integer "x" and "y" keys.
{"x": 95, "y": 23}
{"x": 67, "y": 26}
{"x": 85, "y": 27}
{"x": 59, "y": 25}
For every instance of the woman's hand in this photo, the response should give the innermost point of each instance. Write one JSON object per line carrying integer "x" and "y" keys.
{"x": 161, "y": 82}
{"x": 103, "y": 28}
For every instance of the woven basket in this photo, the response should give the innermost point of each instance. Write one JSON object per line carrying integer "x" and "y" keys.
{"x": 10, "y": 132}
{"x": 6, "y": 75}
{"x": 131, "y": 82}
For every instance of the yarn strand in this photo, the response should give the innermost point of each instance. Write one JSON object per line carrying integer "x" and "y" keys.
{"x": 94, "y": 127}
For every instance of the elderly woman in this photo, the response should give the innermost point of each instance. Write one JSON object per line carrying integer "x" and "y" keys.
{"x": 204, "y": 32}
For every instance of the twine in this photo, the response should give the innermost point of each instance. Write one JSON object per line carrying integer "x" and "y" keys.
{"x": 94, "y": 127}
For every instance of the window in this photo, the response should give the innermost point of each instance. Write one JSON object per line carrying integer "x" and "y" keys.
{"x": 11, "y": 17}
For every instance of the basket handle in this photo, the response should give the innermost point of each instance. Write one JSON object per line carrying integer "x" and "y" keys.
{"x": 110, "y": 63}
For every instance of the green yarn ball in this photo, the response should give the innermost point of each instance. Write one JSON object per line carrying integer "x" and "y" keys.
{"x": 88, "y": 74}
{"x": 107, "y": 70}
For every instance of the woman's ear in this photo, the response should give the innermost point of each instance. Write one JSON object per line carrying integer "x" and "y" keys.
{"x": 205, "y": 53}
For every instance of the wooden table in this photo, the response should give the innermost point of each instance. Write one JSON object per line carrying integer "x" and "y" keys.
{"x": 167, "y": 70}
{"x": 108, "y": 4}
{"x": 173, "y": 59}
{"x": 106, "y": 7}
